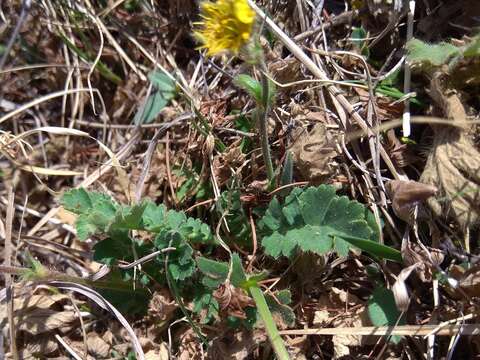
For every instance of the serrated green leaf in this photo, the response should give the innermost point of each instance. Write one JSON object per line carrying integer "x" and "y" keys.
{"x": 84, "y": 227}
{"x": 312, "y": 238}
{"x": 102, "y": 216}
{"x": 153, "y": 217}
{"x": 128, "y": 217}
{"x": 430, "y": 55}
{"x": 168, "y": 238}
{"x": 174, "y": 219}
{"x": 76, "y": 200}
{"x": 383, "y": 311}
{"x": 277, "y": 245}
{"x": 273, "y": 216}
{"x": 96, "y": 211}
{"x": 215, "y": 272}
{"x": 196, "y": 231}
{"x": 312, "y": 213}
{"x": 204, "y": 301}
{"x": 80, "y": 201}
{"x": 117, "y": 247}
{"x": 183, "y": 271}
{"x": 317, "y": 220}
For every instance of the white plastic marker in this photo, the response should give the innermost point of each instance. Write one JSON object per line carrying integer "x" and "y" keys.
{"x": 407, "y": 74}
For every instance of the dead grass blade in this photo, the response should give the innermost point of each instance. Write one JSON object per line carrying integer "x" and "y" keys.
{"x": 41, "y": 99}
{"x": 402, "y": 330}
{"x": 104, "y": 304}
{"x": 8, "y": 277}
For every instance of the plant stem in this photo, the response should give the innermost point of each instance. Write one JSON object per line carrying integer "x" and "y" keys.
{"x": 263, "y": 121}
{"x": 270, "y": 327}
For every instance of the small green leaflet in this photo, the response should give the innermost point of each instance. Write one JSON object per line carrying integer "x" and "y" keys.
{"x": 163, "y": 90}
{"x": 358, "y": 37}
{"x": 383, "y": 311}
{"x": 254, "y": 88}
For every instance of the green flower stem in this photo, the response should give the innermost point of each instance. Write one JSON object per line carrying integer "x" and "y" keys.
{"x": 263, "y": 121}
{"x": 270, "y": 327}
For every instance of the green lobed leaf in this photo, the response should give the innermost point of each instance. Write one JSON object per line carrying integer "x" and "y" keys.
{"x": 153, "y": 217}
{"x": 116, "y": 247}
{"x": 215, "y": 272}
{"x": 84, "y": 227}
{"x": 76, "y": 200}
{"x": 204, "y": 301}
{"x": 383, "y": 311}
{"x": 317, "y": 220}
{"x": 128, "y": 217}
{"x": 430, "y": 55}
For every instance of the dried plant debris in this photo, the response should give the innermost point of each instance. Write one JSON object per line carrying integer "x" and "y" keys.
{"x": 314, "y": 151}
{"x": 425, "y": 260}
{"x": 453, "y": 165}
{"x": 406, "y": 196}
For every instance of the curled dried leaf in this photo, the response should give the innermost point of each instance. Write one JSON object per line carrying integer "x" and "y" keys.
{"x": 406, "y": 195}
{"x": 313, "y": 153}
{"x": 427, "y": 262}
{"x": 399, "y": 289}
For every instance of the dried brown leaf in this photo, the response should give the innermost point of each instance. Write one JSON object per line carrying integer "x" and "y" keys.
{"x": 39, "y": 321}
{"x": 235, "y": 346}
{"x": 399, "y": 289}
{"x": 97, "y": 346}
{"x": 343, "y": 343}
{"x": 313, "y": 153}
{"x": 453, "y": 164}
{"x": 426, "y": 262}
{"x": 406, "y": 195}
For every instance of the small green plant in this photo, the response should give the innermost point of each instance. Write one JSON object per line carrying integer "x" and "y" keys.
{"x": 430, "y": 57}
{"x": 179, "y": 239}
{"x": 313, "y": 219}
{"x": 317, "y": 220}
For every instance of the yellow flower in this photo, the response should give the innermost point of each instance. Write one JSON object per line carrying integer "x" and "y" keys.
{"x": 225, "y": 25}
